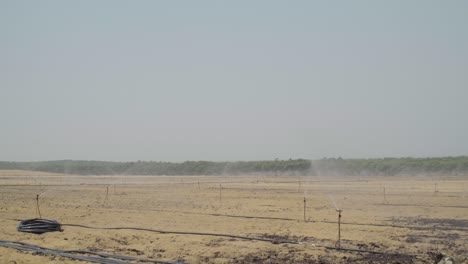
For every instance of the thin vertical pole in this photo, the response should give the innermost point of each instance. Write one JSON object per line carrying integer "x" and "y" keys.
{"x": 339, "y": 229}
{"x": 107, "y": 193}
{"x": 37, "y": 205}
{"x": 338, "y": 243}
{"x": 220, "y": 197}
{"x": 384, "y": 195}
{"x": 305, "y": 209}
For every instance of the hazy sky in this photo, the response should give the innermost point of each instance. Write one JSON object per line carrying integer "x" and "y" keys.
{"x": 237, "y": 80}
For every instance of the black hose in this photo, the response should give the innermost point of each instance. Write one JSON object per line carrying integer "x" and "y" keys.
{"x": 38, "y": 226}
{"x": 274, "y": 241}
{"x": 103, "y": 258}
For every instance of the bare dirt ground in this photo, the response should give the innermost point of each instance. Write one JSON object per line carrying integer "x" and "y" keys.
{"x": 416, "y": 215}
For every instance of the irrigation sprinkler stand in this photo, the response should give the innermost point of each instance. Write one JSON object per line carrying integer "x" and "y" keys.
{"x": 220, "y": 188}
{"x": 338, "y": 243}
{"x": 37, "y": 206}
{"x": 384, "y": 195}
{"x": 305, "y": 206}
{"x": 107, "y": 193}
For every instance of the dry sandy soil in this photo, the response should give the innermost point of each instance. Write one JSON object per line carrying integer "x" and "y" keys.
{"x": 417, "y": 215}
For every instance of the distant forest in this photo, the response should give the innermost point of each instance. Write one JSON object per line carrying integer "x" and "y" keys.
{"x": 325, "y": 166}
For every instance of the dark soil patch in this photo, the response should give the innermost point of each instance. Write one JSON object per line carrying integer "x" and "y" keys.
{"x": 442, "y": 223}
{"x": 431, "y": 238}
{"x": 381, "y": 259}
{"x": 273, "y": 257}
{"x": 368, "y": 246}
{"x": 279, "y": 238}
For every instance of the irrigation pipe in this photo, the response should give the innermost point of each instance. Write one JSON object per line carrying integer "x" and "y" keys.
{"x": 238, "y": 237}
{"x": 448, "y": 228}
{"x": 103, "y": 258}
{"x": 189, "y": 233}
{"x": 274, "y": 241}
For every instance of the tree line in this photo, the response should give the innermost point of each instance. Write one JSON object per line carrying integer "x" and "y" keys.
{"x": 325, "y": 166}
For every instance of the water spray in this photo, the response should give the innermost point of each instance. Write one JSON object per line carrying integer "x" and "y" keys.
{"x": 332, "y": 199}
{"x": 338, "y": 242}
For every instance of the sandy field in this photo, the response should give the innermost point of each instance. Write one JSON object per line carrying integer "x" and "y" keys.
{"x": 404, "y": 217}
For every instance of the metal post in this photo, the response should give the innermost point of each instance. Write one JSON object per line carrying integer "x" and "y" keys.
{"x": 338, "y": 243}
{"x": 305, "y": 210}
{"x": 384, "y": 195}
{"x": 37, "y": 205}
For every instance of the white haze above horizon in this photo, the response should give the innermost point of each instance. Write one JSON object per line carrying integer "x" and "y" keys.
{"x": 238, "y": 80}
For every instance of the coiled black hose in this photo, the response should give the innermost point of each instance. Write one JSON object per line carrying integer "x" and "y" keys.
{"x": 39, "y": 226}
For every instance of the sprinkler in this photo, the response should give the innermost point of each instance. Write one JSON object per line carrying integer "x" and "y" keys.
{"x": 305, "y": 206}
{"x": 107, "y": 193}
{"x": 38, "y": 225}
{"x": 38, "y": 212}
{"x": 338, "y": 243}
{"x": 384, "y": 195}
{"x": 220, "y": 188}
